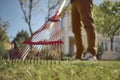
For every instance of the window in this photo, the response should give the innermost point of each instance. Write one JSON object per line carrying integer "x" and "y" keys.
{"x": 106, "y": 47}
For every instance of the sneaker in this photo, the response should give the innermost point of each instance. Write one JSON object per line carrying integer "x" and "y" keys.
{"x": 90, "y": 57}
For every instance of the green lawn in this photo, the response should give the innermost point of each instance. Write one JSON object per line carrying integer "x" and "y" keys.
{"x": 63, "y": 70}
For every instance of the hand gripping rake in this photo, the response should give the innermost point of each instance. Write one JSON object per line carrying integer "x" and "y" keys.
{"x": 46, "y": 41}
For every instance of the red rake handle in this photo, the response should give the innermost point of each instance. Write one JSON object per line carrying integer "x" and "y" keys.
{"x": 56, "y": 16}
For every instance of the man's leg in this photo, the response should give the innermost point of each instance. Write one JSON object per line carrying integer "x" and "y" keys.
{"x": 86, "y": 16}
{"x": 76, "y": 26}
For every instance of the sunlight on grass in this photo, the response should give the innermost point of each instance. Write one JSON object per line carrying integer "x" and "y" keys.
{"x": 59, "y": 70}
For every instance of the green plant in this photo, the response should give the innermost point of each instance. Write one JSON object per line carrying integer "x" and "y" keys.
{"x": 2, "y": 50}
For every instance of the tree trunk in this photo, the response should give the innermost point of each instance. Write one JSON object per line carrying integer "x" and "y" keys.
{"x": 30, "y": 29}
{"x": 111, "y": 39}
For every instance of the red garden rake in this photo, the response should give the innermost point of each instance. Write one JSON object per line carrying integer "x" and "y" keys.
{"x": 46, "y": 42}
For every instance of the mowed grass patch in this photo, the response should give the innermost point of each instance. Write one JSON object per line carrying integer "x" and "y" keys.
{"x": 59, "y": 70}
